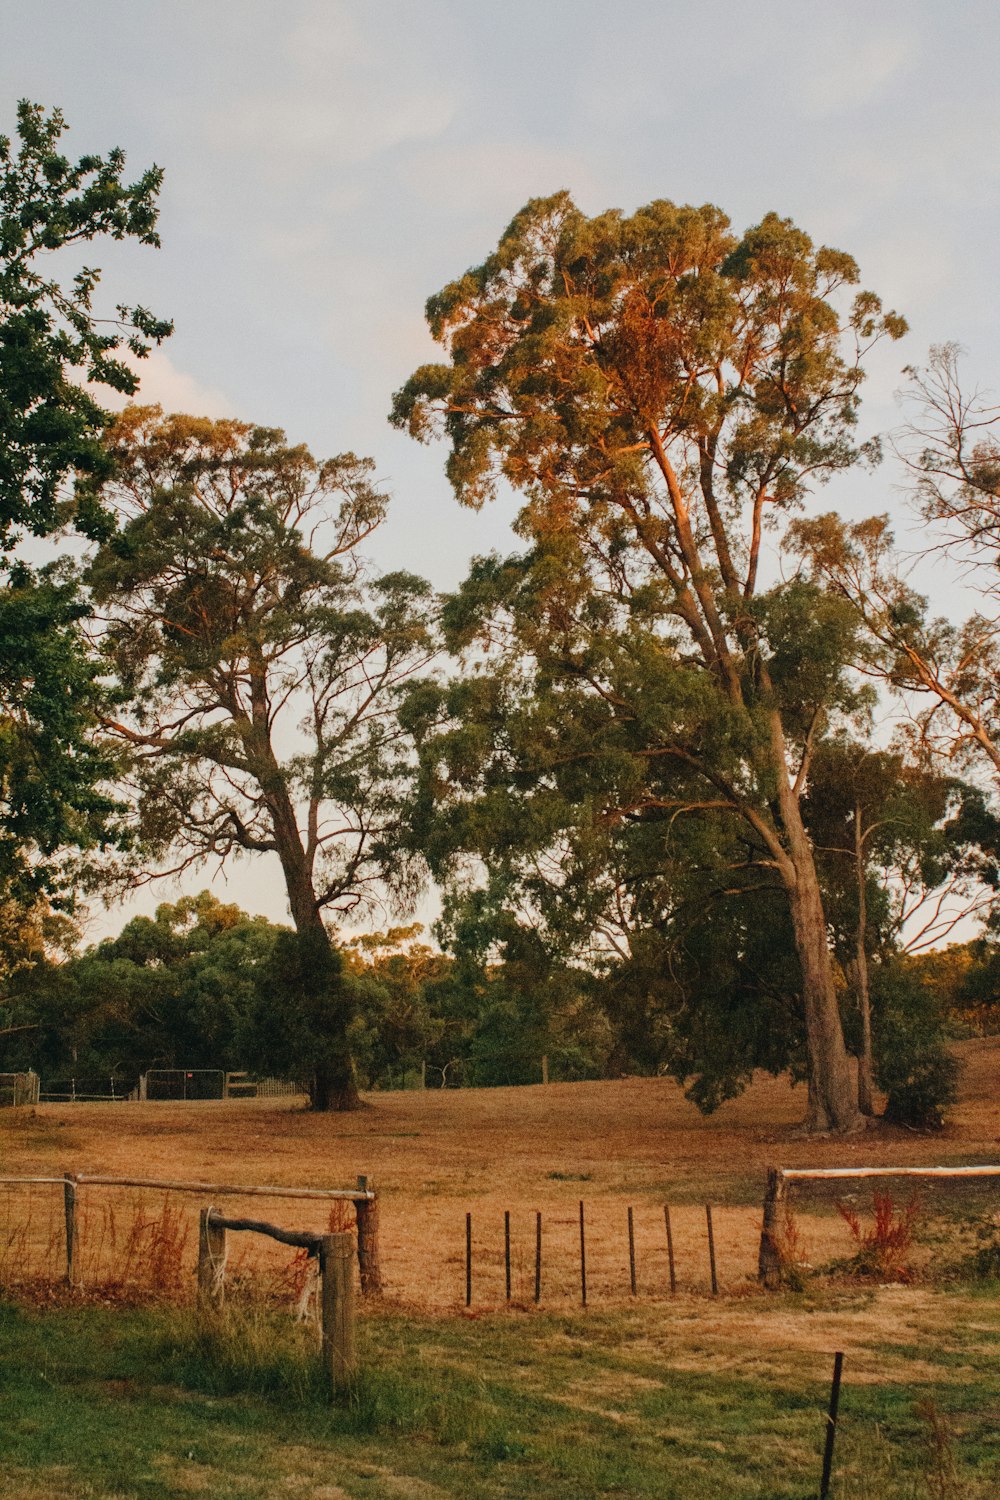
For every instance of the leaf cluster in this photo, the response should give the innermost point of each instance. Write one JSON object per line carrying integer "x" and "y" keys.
{"x": 50, "y": 335}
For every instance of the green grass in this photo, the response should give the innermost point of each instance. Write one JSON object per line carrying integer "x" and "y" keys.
{"x": 657, "y": 1401}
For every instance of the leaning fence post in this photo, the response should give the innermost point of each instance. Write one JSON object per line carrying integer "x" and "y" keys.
{"x": 69, "y": 1206}
{"x": 211, "y": 1261}
{"x": 670, "y": 1249}
{"x": 711, "y": 1249}
{"x": 831, "y": 1427}
{"x": 369, "y": 1267}
{"x": 337, "y": 1301}
{"x": 769, "y": 1256}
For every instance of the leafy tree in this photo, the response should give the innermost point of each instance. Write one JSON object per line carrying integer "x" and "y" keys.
{"x": 51, "y": 766}
{"x": 905, "y": 853}
{"x": 394, "y": 975}
{"x": 914, "y": 1066}
{"x": 52, "y": 425}
{"x": 263, "y": 669}
{"x": 662, "y": 391}
{"x": 518, "y": 992}
{"x": 56, "y": 769}
{"x": 172, "y": 990}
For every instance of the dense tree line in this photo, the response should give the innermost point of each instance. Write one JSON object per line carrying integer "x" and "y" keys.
{"x": 641, "y": 756}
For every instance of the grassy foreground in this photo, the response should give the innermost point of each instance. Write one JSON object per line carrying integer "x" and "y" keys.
{"x": 691, "y": 1399}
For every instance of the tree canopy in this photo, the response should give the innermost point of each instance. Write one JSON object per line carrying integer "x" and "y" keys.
{"x": 663, "y": 392}
{"x": 49, "y": 334}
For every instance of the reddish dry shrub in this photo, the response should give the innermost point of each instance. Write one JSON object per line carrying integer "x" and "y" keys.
{"x": 883, "y": 1245}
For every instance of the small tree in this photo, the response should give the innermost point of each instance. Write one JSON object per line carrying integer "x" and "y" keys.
{"x": 263, "y": 667}
{"x": 905, "y": 854}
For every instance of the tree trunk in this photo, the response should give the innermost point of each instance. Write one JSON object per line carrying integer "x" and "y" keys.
{"x": 833, "y": 1094}
{"x": 335, "y": 1085}
{"x": 335, "y": 1079}
{"x": 866, "y": 1070}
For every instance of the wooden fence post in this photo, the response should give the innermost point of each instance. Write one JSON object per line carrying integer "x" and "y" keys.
{"x": 369, "y": 1266}
{"x": 468, "y": 1260}
{"x": 831, "y": 1427}
{"x": 769, "y": 1257}
{"x": 670, "y": 1249}
{"x": 583, "y": 1260}
{"x": 711, "y": 1249}
{"x": 211, "y": 1261}
{"x": 545, "y": 1067}
{"x": 69, "y": 1207}
{"x": 336, "y": 1258}
{"x": 506, "y": 1248}
{"x": 631, "y": 1251}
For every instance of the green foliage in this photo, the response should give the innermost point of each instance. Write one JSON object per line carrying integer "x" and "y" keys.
{"x": 301, "y": 1014}
{"x": 263, "y": 666}
{"x": 52, "y": 426}
{"x": 659, "y": 389}
{"x": 913, "y": 1063}
{"x": 53, "y": 768}
{"x": 393, "y": 977}
{"x": 173, "y": 990}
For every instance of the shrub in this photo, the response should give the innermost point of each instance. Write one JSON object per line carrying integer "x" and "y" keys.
{"x": 882, "y": 1247}
{"x": 914, "y": 1065}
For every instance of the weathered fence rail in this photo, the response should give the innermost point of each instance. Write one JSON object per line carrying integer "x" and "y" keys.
{"x": 334, "y": 1253}
{"x": 769, "y": 1260}
{"x": 364, "y": 1198}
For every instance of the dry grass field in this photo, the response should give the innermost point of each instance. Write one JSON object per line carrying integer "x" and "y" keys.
{"x": 688, "y": 1397}
{"x": 436, "y": 1155}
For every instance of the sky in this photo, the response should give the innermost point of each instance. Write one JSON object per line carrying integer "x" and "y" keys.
{"x": 330, "y": 165}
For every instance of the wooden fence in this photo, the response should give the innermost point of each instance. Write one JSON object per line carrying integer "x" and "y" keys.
{"x": 363, "y": 1196}
{"x": 334, "y": 1254}
{"x": 18, "y": 1089}
{"x": 769, "y": 1260}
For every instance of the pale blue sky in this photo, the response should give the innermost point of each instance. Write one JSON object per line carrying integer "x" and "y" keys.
{"x": 331, "y": 164}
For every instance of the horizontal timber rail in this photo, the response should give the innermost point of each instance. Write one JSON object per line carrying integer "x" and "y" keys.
{"x": 355, "y": 1195}
{"x": 769, "y": 1260}
{"x": 364, "y": 1198}
{"x": 336, "y": 1284}
{"x": 799, "y": 1173}
{"x": 302, "y": 1239}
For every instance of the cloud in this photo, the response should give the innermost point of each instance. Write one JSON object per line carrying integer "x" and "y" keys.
{"x": 495, "y": 179}
{"x": 854, "y": 71}
{"x": 345, "y": 97}
{"x": 163, "y": 384}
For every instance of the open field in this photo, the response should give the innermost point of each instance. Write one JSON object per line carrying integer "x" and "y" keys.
{"x": 666, "y": 1397}
{"x": 437, "y": 1155}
